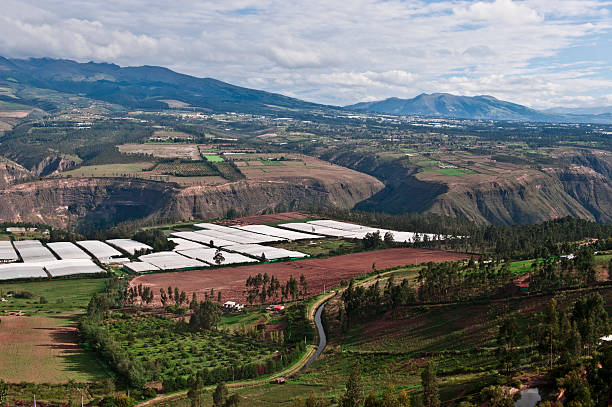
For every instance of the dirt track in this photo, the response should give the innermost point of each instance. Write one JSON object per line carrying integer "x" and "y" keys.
{"x": 319, "y": 272}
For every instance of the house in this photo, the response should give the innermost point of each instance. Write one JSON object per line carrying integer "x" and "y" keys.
{"x": 276, "y": 308}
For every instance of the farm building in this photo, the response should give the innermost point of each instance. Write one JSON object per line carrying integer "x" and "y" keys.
{"x": 13, "y": 271}
{"x": 7, "y": 252}
{"x": 68, "y": 250}
{"x": 32, "y": 251}
{"x": 128, "y": 245}
{"x": 70, "y": 267}
{"x": 140, "y": 267}
{"x": 171, "y": 261}
{"x": 208, "y": 255}
{"x": 99, "y": 250}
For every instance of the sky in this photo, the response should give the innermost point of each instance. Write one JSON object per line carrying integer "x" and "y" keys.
{"x": 541, "y": 53}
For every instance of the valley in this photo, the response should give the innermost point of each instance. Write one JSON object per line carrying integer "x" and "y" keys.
{"x": 168, "y": 239}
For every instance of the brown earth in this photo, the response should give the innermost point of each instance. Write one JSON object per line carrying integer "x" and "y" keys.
{"x": 271, "y": 218}
{"x": 319, "y": 273}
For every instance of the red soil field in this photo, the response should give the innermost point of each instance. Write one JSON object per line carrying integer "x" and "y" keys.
{"x": 260, "y": 219}
{"x": 319, "y": 272}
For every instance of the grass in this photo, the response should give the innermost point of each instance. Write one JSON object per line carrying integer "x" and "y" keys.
{"x": 521, "y": 267}
{"x": 454, "y": 171}
{"x": 213, "y": 158}
{"x": 323, "y": 247}
{"x": 236, "y": 320}
{"x": 63, "y": 296}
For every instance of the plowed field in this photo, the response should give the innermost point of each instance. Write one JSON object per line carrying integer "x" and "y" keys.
{"x": 319, "y": 273}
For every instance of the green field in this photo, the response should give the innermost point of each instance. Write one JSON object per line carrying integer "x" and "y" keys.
{"x": 213, "y": 158}
{"x": 453, "y": 171}
{"x": 64, "y": 297}
{"x": 323, "y": 247}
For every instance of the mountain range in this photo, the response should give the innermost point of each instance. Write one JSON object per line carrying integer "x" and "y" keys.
{"x": 152, "y": 87}
{"x": 484, "y": 107}
{"x": 143, "y": 87}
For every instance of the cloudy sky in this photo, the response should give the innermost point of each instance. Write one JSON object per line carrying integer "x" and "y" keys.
{"x": 542, "y": 53}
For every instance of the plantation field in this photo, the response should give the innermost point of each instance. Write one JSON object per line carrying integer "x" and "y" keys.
{"x": 228, "y": 172}
{"x": 185, "y": 169}
{"x": 164, "y": 352}
{"x": 110, "y": 170}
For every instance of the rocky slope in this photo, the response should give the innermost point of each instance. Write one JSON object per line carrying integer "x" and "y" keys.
{"x": 100, "y": 202}
{"x": 11, "y": 172}
{"x": 580, "y": 186}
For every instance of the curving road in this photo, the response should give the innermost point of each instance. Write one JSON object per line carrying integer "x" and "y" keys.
{"x": 322, "y": 336}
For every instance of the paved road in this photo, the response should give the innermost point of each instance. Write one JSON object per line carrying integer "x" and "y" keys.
{"x": 322, "y": 336}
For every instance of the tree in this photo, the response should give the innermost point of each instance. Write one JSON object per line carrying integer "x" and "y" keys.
{"x": 304, "y": 285}
{"x": 353, "y": 395}
{"x": 195, "y": 391}
{"x": 591, "y": 319}
{"x": 577, "y": 392}
{"x": 206, "y": 317}
{"x": 507, "y": 352}
{"x": 163, "y": 296}
{"x": 218, "y": 257}
{"x": 496, "y": 396}
{"x": 232, "y": 401}
{"x": 182, "y": 298}
{"x": 610, "y": 270}
{"x": 429, "y": 381}
{"x": 193, "y": 305}
{"x": 220, "y": 395}
{"x": 372, "y": 240}
{"x": 389, "y": 240}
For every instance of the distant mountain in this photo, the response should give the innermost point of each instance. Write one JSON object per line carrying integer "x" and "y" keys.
{"x": 141, "y": 87}
{"x": 597, "y": 110}
{"x": 483, "y": 107}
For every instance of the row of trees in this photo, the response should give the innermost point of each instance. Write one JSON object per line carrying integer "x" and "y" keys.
{"x": 452, "y": 281}
{"x": 263, "y": 287}
{"x": 144, "y": 293}
{"x": 361, "y": 303}
{"x": 102, "y": 342}
{"x": 353, "y": 395}
{"x": 179, "y": 297}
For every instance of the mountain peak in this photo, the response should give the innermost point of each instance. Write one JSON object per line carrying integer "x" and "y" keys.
{"x": 483, "y": 107}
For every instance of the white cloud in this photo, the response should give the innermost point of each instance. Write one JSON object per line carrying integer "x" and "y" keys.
{"x": 336, "y": 52}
